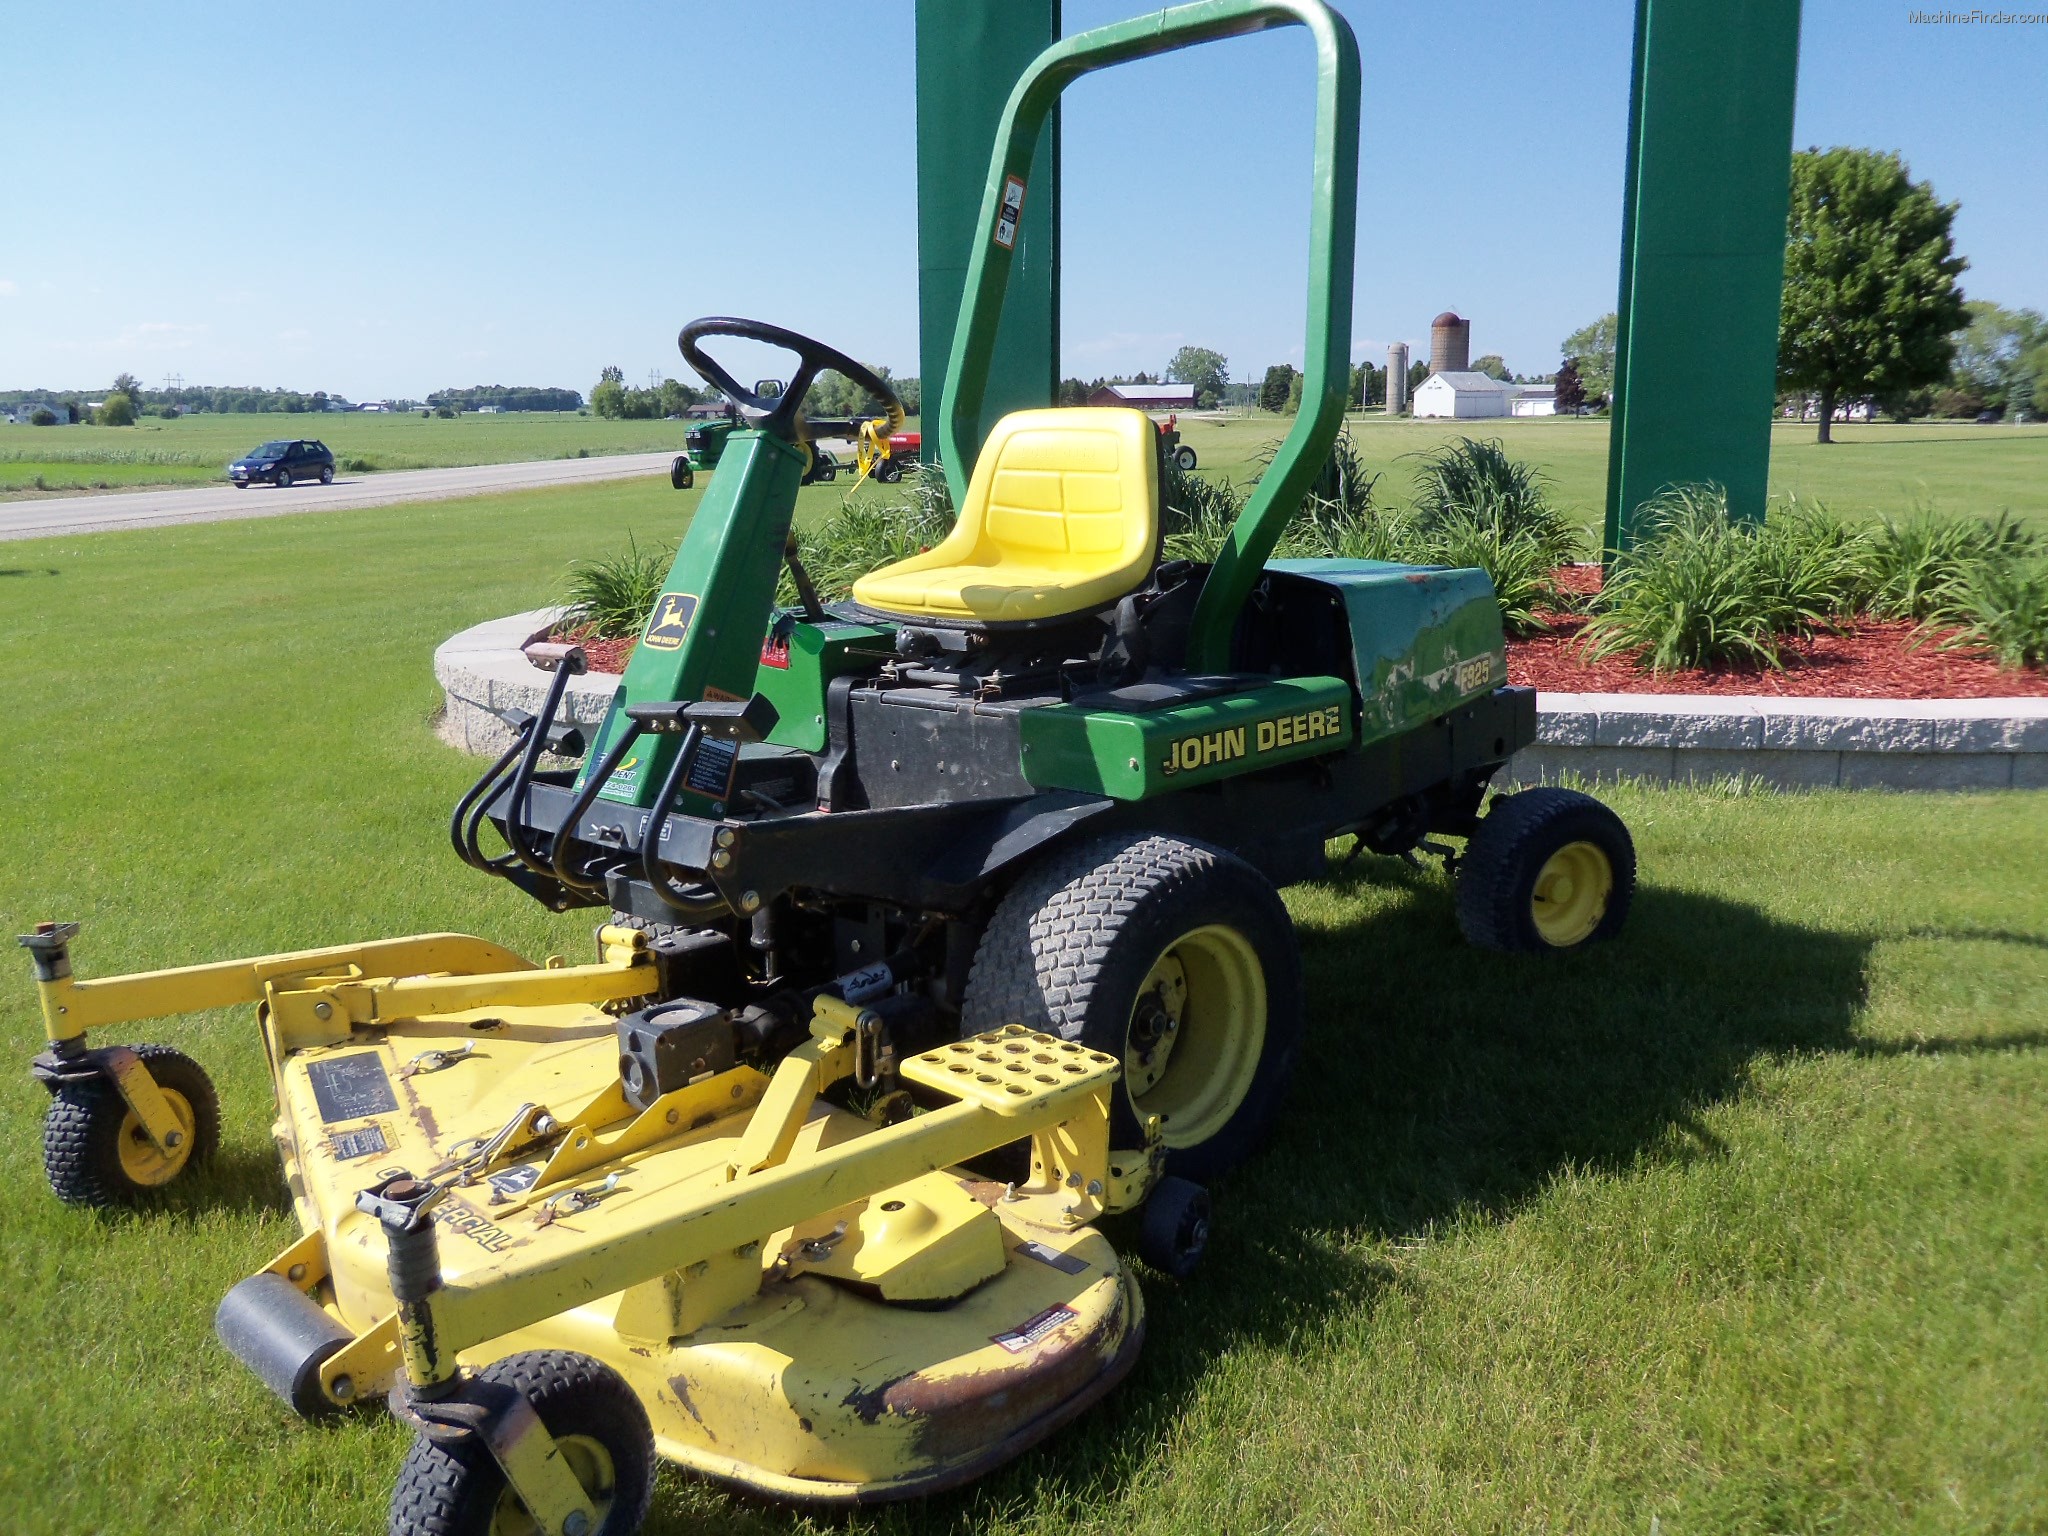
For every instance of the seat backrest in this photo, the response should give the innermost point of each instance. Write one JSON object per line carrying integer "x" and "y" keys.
{"x": 1073, "y": 488}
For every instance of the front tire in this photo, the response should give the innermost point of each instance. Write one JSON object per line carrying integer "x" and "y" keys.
{"x": 95, "y": 1151}
{"x": 282, "y": 480}
{"x": 1548, "y": 870}
{"x": 1176, "y": 958}
{"x": 599, "y": 1425}
{"x": 327, "y": 476}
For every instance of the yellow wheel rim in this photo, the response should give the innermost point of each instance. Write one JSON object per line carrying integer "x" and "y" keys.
{"x": 141, "y": 1163}
{"x": 1196, "y": 1034}
{"x": 591, "y": 1463}
{"x": 1570, "y": 898}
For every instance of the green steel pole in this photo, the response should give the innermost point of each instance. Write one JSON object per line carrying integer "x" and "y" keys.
{"x": 1332, "y": 233}
{"x": 969, "y": 55}
{"x": 1703, "y": 253}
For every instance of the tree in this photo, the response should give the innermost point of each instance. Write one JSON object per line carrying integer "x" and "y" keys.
{"x": 612, "y": 374}
{"x": 1571, "y": 391}
{"x": 1871, "y": 303}
{"x": 1208, "y": 371}
{"x": 127, "y": 384}
{"x": 1073, "y": 392}
{"x": 42, "y": 416}
{"x": 2002, "y": 357}
{"x": 1591, "y": 350}
{"x": 1278, "y": 385}
{"x": 1294, "y": 394}
{"x": 608, "y": 399}
{"x": 1494, "y": 366}
{"x": 1417, "y": 372}
{"x": 117, "y": 411}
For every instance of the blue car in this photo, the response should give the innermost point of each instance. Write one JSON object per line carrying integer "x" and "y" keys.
{"x": 285, "y": 462}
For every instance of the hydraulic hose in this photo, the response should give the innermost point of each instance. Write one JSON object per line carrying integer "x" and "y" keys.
{"x": 692, "y": 909}
{"x": 565, "y": 835}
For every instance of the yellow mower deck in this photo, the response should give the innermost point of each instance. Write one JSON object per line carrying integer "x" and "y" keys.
{"x": 809, "y": 1303}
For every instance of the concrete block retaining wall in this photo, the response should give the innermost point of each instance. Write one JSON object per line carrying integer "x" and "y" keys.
{"x": 1665, "y": 738}
{"x": 1795, "y": 743}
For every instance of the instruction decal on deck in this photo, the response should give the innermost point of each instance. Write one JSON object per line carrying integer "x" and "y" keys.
{"x": 351, "y": 1087}
{"x": 1031, "y": 1330}
{"x": 350, "y": 1145}
{"x": 1065, "y": 1263}
{"x": 515, "y": 1181}
{"x": 1011, "y": 211}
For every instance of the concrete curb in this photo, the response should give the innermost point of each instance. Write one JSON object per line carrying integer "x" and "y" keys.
{"x": 481, "y": 671}
{"x": 1663, "y": 738}
{"x": 1793, "y": 743}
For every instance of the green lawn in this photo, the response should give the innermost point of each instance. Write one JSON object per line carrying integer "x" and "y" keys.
{"x": 1955, "y": 468}
{"x": 1740, "y": 1224}
{"x": 196, "y": 450}
{"x": 1952, "y": 467}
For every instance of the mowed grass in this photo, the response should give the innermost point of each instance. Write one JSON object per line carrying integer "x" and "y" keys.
{"x": 1739, "y": 1224}
{"x": 196, "y": 450}
{"x": 1954, "y": 468}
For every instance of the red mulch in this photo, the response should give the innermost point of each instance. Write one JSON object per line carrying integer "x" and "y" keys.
{"x": 603, "y": 655}
{"x": 1872, "y": 659}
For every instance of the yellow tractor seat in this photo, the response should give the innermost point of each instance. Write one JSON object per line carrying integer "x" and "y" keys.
{"x": 1062, "y": 518}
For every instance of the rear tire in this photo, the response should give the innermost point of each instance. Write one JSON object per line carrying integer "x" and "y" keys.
{"x": 327, "y": 476}
{"x": 888, "y": 471}
{"x": 1176, "y": 958}
{"x": 95, "y": 1152}
{"x": 600, "y": 1426}
{"x": 1184, "y": 456}
{"x": 1548, "y": 871}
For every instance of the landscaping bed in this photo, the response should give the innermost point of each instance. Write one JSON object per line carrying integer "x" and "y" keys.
{"x": 1866, "y": 658}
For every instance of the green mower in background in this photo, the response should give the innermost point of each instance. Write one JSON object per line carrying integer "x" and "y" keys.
{"x": 1038, "y": 774}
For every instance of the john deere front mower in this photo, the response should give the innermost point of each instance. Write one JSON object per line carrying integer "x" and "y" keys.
{"x": 933, "y": 926}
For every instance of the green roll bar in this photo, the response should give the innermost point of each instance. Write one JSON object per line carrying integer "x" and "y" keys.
{"x": 1333, "y": 220}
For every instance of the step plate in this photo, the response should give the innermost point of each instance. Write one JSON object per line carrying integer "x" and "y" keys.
{"x": 1011, "y": 1069}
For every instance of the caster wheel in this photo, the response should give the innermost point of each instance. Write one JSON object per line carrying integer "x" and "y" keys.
{"x": 1548, "y": 870}
{"x": 598, "y": 1424}
{"x": 95, "y": 1151}
{"x": 681, "y": 475}
{"x": 1175, "y": 1233}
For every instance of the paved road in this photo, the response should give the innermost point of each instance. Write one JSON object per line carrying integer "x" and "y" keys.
{"x": 223, "y": 503}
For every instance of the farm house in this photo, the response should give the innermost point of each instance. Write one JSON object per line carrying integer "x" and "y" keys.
{"x": 1462, "y": 395}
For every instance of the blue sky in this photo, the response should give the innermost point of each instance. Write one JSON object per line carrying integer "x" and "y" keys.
{"x": 384, "y": 199}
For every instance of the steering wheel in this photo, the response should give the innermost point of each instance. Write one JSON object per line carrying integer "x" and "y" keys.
{"x": 779, "y": 416}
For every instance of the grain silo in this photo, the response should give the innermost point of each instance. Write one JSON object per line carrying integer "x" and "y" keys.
{"x": 1450, "y": 344}
{"x": 1397, "y": 378}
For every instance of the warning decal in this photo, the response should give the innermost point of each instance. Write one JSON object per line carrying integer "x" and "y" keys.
{"x": 1031, "y": 1330}
{"x": 1011, "y": 211}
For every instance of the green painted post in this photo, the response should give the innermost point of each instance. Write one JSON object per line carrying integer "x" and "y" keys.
{"x": 969, "y": 55}
{"x": 1702, "y": 252}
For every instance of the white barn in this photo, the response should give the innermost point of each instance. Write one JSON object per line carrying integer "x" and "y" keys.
{"x": 1462, "y": 395}
{"x": 1533, "y": 399}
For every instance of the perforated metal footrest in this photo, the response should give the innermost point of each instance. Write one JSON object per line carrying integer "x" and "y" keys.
{"x": 1009, "y": 1069}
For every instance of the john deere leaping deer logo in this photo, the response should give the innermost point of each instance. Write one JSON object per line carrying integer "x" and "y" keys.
{"x": 671, "y": 621}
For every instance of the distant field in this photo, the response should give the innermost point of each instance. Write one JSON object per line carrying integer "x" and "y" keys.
{"x": 195, "y": 450}
{"x": 1954, "y": 467}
